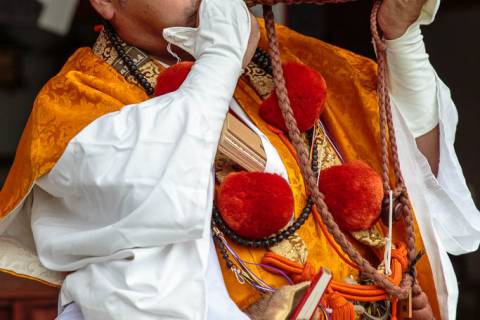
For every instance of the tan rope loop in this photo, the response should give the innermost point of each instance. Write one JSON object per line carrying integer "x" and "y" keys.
{"x": 388, "y": 148}
{"x": 367, "y": 269}
{"x": 251, "y": 3}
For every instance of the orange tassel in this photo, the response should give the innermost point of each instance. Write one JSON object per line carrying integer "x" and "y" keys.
{"x": 342, "y": 309}
{"x": 394, "y": 308}
{"x": 307, "y": 274}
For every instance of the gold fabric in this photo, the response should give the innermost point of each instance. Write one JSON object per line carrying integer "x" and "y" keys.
{"x": 85, "y": 89}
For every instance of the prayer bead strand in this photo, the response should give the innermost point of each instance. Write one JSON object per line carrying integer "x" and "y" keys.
{"x": 275, "y": 239}
{"x": 127, "y": 61}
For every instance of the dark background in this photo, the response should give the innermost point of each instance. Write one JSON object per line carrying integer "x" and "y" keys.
{"x": 30, "y": 56}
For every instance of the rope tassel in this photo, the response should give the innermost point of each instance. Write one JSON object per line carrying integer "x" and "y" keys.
{"x": 341, "y": 308}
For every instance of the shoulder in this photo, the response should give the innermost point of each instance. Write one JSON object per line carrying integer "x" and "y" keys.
{"x": 85, "y": 79}
{"x": 332, "y": 61}
{"x": 85, "y": 89}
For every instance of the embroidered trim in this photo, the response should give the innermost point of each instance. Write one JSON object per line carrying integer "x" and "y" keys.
{"x": 105, "y": 50}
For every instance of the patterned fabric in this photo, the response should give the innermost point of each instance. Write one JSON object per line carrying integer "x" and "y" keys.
{"x": 104, "y": 49}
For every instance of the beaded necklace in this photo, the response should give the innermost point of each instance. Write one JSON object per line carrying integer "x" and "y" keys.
{"x": 262, "y": 59}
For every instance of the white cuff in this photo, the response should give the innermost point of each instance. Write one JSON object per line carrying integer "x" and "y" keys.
{"x": 429, "y": 12}
{"x": 412, "y": 79}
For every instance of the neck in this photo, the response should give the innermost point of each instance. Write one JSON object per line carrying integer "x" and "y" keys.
{"x": 168, "y": 58}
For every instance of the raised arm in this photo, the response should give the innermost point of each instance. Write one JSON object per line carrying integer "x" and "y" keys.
{"x": 145, "y": 172}
{"x": 412, "y": 79}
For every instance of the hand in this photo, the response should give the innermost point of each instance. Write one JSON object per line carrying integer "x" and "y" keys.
{"x": 396, "y": 16}
{"x": 224, "y": 29}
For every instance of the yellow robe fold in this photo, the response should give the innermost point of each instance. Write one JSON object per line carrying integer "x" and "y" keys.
{"x": 87, "y": 88}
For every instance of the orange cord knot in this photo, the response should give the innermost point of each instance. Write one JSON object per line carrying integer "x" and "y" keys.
{"x": 308, "y": 274}
{"x": 342, "y": 309}
{"x": 400, "y": 254}
{"x": 295, "y": 270}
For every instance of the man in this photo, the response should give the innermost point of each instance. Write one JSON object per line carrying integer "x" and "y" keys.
{"x": 121, "y": 199}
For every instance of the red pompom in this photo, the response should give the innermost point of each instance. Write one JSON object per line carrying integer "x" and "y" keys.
{"x": 354, "y": 194}
{"x": 255, "y": 204}
{"x": 307, "y": 91}
{"x": 172, "y": 78}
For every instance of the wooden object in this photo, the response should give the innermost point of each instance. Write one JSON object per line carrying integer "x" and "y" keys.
{"x": 242, "y": 145}
{"x": 22, "y": 299}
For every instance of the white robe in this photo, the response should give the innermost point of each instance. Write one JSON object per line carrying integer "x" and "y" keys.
{"x": 158, "y": 260}
{"x": 128, "y": 208}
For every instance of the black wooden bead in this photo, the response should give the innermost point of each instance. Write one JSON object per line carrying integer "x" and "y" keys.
{"x": 229, "y": 264}
{"x": 296, "y": 225}
{"x": 281, "y": 237}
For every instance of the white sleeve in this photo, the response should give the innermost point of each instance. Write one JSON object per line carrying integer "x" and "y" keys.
{"x": 144, "y": 172}
{"x": 455, "y": 217}
{"x": 412, "y": 79}
{"x": 424, "y": 101}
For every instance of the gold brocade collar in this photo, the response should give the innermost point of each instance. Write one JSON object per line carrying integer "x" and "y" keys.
{"x": 150, "y": 68}
{"x": 260, "y": 80}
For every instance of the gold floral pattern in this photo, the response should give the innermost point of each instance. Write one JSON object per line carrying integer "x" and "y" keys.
{"x": 260, "y": 80}
{"x": 293, "y": 248}
{"x": 149, "y": 67}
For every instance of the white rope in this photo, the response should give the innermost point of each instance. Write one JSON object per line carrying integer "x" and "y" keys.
{"x": 170, "y": 50}
{"x": 388, "y": 239}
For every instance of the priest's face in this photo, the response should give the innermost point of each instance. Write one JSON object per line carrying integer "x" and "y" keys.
{"x": 141, "y": 22}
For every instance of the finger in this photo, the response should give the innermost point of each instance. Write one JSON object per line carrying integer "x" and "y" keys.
{"x": 317, "y": 315}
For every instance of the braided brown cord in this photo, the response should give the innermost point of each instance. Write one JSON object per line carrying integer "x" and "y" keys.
{"x": 386, "y": 123}
{"x": 367, "y": 269}
{"x": 251, "y": 3}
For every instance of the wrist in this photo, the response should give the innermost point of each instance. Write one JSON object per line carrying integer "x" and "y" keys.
{"x": 394, "y": 33}
{"x": 394, "y": 29}
{"x": 410, "y": 38}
